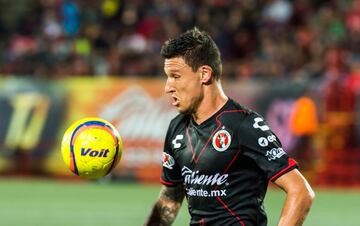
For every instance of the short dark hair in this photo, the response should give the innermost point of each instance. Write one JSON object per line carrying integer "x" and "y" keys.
{"x": 196, "y": 48}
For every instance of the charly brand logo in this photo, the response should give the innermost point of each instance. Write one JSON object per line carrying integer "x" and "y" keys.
{"x": 194, "y": 177}
{"x": 257, "y": 122}
{"x": 221, "y": 140}
{"x": 175, "y": 142}
{"x": 275, "y": 153}
{"x": 168, "y": 161}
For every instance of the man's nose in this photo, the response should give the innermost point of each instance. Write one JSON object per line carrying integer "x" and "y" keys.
{"x": 168, "y": 87}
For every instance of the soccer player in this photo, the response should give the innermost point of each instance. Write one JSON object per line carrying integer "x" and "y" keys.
{"x": 219, "y": 154}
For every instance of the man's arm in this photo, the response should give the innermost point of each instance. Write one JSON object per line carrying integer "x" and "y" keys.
{"x": 299, "y": 198}
{"x": 167, "y": 206}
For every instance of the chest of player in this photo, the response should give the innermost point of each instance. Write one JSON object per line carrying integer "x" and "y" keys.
{"x": 208, "y": 149}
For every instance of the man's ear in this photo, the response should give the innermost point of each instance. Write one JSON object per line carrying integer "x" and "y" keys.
{"x": 206, "y": 74}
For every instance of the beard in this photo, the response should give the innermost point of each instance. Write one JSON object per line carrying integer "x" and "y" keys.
{"x": 194, "y": 105}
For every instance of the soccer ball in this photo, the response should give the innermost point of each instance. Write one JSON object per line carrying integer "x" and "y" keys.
{"x": 91, "y": 147}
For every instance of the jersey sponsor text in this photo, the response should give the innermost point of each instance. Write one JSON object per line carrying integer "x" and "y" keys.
{"x": 205, "y": 193}
{"x": 191, "y": 177}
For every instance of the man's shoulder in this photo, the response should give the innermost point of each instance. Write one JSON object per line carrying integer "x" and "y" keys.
{"x": 245, "y": 114}
{"x": 177, "y": 125}
{"x": 240, "y": 110}
{"x": 179, "y": 119}
{"x": 237, "y": 106}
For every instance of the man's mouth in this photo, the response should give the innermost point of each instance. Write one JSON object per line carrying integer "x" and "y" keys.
{"x": 175, "y": 101}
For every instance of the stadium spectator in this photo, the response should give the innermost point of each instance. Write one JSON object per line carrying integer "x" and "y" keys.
{"x": 266, "y": 39}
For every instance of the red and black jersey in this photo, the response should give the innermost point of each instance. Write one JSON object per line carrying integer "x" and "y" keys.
{"x": 225, "y": 164}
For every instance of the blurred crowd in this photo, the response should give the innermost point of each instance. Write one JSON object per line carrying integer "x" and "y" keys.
{"x": 257, "y": 38}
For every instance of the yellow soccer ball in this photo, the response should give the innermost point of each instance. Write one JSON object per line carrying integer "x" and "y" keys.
{"x": 91, "y": 147}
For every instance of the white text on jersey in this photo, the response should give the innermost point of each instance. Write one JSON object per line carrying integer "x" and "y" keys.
{"x": 191, "y": 177}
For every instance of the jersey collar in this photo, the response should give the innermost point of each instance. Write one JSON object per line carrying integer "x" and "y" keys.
{"x": 213, "y": 117}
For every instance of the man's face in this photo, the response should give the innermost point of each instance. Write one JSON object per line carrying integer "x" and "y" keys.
{"x": 183, "y": 85}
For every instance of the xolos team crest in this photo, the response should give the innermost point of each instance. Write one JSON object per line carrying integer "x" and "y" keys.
{"x": 221, "y": 140}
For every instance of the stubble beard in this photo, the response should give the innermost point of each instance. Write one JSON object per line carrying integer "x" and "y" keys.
{"x": 192, "y": 109}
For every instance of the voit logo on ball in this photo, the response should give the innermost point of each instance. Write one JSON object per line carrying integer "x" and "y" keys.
{"x": 221, "y": 140}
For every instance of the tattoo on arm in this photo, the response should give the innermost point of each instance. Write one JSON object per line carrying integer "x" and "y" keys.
{"x": 167, "y": 206}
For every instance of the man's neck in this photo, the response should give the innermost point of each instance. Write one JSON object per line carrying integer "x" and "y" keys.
{"x": 212, "y": 103}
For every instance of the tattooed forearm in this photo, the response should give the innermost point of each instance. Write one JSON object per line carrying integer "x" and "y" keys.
{"x": 163, "y": 214}
{"x": 175, "y": 194}
{"x": 166, "y": 208}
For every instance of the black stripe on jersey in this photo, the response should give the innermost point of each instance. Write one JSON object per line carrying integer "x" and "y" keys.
{"x": 196, "y": 159}
{"x": 222, "y": 201}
